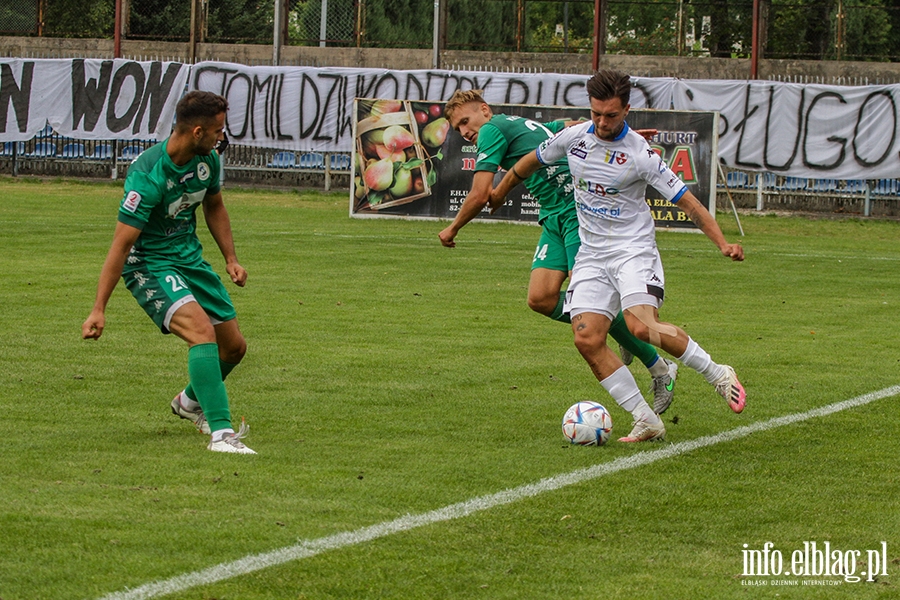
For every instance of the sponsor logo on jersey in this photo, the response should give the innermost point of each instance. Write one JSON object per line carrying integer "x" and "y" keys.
{"x": 186, "y": 201}
{"x": 169, "y": 184}
{"x": 579, "y": 149}
{"x": 615, "y": 156}
{"x": 190, "y": 175}
{"x": 599, "y": 211}
{"x": 180, "y": 226}
{"x": 132, "y": 201}
{"x": 673, "y": 181}
{"x": 598, "y": 189}
{"x": 203, "y": 171}
{"x": 481, "y": 156}
{"x": 150, "y": 293}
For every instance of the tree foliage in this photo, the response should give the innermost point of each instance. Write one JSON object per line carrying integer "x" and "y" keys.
{"x": 241, "y": 21}
{"x": 79, "y": 18}
{"x": 801, "y": 29}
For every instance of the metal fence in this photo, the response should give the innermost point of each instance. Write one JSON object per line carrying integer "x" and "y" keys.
{"x": 770, "y": 191}
{"x": 50, "y": 153}
{"x": 795, "y": 29}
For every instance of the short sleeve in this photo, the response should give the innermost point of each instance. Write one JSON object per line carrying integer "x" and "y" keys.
{"x": 658, "y": 174}
{"x": 141, "y": 196}
{"x": 492, "y": 146}
{"x": 555, "y": 148}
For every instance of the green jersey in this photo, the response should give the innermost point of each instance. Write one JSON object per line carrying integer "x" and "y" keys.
{"x": 505, "y": 139}
{"x": 161, "y": 200}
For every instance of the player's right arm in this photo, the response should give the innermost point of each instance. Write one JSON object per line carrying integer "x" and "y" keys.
{"x": 123, "y": 239}
{"x": 475, "y": 201}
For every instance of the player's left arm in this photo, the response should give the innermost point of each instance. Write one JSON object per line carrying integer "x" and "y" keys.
{"x": 521, "y": 171}
{"x": 219, "y": 225}
{"x": 708, "y": 225}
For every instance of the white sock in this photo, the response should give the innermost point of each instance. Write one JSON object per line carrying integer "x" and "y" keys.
{"x": 220, "y": 433}
{"x": 698, "y": 359}
{"x": 659, "y": 368}
{"x": 186, "y": 402}
{"x": 624, "y": 390}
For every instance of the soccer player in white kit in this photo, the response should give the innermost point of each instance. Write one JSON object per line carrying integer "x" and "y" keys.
{"x": 618, "y": 264}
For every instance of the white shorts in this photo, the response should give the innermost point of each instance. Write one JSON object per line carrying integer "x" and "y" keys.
{"x": 607, "y": 284}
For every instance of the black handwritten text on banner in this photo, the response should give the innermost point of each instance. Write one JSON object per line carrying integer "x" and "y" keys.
{"x": 89, "y": 99}
{"x": 845, "y": 132}
{"x": 306, "y": 108}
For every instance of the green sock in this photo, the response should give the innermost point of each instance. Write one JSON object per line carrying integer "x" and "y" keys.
{"x": 206, "y": 378}
{"x": 644, "y": 352}
{"x": 225, "y": 367}
{"x": 558, "y": 314}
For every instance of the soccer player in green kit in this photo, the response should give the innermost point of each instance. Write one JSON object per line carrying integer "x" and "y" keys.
{"x": 155, "y": 249}
{"x": 501, "y": 140}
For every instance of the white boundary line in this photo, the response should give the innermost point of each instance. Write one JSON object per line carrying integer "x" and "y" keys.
{"x": 308, "y": 548}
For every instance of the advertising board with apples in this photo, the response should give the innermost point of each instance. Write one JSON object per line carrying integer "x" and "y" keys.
{"x": 407, "y": 162}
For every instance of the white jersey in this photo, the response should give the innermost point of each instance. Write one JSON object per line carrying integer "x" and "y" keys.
{"x": 610, "y": 184}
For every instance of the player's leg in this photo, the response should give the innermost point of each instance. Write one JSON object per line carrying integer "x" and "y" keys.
{"x": 190, "y": 302}
{"x": 644, "y": 322}
{"x": 664, "y": 372}
{"x": 544, "y": 295}
{"x": 592, "y": 301}
{"x": 232, "y": 348}
{"x": 207, "y": 289}
{"x": 549, "y": 269}
{"x": 191, "y": 323}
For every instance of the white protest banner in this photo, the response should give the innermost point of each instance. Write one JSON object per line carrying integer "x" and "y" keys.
{"x": 802, "y": 130}
{"x": 310, "y": 108}
{"x": 89, "y": 98}
{"x": 807, "y": 130}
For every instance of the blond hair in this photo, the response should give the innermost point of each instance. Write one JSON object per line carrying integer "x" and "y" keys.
{"x": 461, "y": 97}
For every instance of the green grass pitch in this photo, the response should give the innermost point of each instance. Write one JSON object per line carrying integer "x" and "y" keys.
{"x": 389, "y": 376}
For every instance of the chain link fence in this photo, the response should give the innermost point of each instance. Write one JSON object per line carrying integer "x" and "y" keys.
{"x": 792, "y": 29}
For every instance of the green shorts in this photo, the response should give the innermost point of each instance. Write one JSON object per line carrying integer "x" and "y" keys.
{"x": 559, "y": 243}
{"x": 163, "y": 289}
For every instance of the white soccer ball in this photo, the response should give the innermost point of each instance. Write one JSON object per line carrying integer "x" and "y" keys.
{"x": 587, "y": 424}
